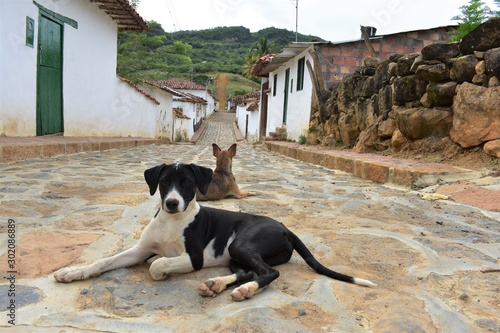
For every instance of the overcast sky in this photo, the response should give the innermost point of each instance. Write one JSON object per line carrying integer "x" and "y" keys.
{"x": 332, "y": 20}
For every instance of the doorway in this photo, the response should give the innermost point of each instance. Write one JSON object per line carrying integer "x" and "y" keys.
{"x": 49, "y": 109}
{"x": 285, "y": 100}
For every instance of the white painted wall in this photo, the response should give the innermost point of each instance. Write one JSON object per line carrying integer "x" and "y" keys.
{"x": 165, "y": 126}
{"x": 299, "y": 102}
{"x": 208, "y": 109}
{"x": 183, "y": 130}
{"x": 95, "y": 101}
{"x": 253, "y": 122}
{"x": 17, "y": 69}
{"x": 189, "y": 110}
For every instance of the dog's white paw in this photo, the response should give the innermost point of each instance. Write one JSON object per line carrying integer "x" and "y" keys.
{"x": 245, "y": 291}
{"x": 158, "y": 269}
{"x": 70, "y": 274}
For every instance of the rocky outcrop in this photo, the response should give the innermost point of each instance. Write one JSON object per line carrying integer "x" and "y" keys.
{"x": 492, "y": 148}
{"x": 440, "y": 52}
{"x": 476, "y": 115}
{"x": 483, "y": 38}
{"x": 449, "y": 91}
{"x": 420, "y": 123}
{"x": 492, "y": 61}
{"x": 463, "y": 68}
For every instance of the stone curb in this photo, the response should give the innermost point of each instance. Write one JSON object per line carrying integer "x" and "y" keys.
{"x": 380, "y": 169}
{"x": 15, "y": 149}
{"x": 237, "y": 133}
{"x": 197, "y": 135}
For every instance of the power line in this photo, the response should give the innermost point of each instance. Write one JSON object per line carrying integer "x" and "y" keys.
{"x": 173, "y": 15}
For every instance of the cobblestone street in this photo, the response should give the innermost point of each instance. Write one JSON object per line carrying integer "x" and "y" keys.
{"x": 436, "y": 263}
{"x": 219, "y": 130}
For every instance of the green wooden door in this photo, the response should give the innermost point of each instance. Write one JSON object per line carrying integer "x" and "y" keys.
{"x": 285, "y": 102}
{"x": 49, "y": 78}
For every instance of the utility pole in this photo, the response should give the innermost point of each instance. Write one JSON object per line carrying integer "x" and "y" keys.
{"x": 296, "y": 20}
{"x": 296, "y": 3}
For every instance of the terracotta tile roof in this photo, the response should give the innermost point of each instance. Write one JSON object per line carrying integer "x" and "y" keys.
{"x": 261, "y": 63}
{"x": 241, "y": 99}
{"x": 123, "y": 14}
{"x": 158, "y": 84}
{"x": 181, "y": 84}
{"x": 252, "y": 107}
{"x": 130, "y": 83}
{"x": 187, "y": 97}
{"x": 179, "y": 113}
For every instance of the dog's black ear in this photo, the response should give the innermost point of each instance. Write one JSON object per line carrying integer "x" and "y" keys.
{"x": 152, "y": 177}
{"x": 216, "y": 149}
{"x": 203, "y": 177}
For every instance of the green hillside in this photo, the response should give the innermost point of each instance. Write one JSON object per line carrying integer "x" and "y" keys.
{"x": 192, "y": 54}
{"x": 196, "y": 55}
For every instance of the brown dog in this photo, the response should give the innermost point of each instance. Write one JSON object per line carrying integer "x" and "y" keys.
{"x": 223, "y": 183}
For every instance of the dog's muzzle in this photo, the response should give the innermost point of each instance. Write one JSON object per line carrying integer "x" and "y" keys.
{"x": 172, "y": 206}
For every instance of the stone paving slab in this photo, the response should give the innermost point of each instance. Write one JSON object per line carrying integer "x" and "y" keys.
{"x": 377, "y": 168}
{"x": 476, "y": 188}
{"x": 436, "y": 262}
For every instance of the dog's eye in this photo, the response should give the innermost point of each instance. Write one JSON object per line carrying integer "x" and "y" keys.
{"x": 186, "y": 182}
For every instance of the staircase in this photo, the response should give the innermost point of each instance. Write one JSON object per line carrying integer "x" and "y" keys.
{"x": 279, "y": 134}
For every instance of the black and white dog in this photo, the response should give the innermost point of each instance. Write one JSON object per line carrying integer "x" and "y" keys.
{"x": 188, "y": 237}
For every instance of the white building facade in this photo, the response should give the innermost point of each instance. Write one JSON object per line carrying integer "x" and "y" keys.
{"x": 290, "y": 96}
{"x": 58, "y": 71}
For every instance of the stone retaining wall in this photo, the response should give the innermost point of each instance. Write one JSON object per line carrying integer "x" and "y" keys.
{"x": 449, "y": 92}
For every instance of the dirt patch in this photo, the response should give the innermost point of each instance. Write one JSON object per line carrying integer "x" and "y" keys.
{"x": 475, "y": 294}
{"x": 98, "y": 220}
{"x": 221, "y": 80}
{"x": 444, "y": 150}
{"x": 305, "y": 314}
{"x": 28, "y": 208}
{"x": 43, "y": 252}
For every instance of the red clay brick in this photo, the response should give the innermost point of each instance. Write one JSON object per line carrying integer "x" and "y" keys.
{"x": 428, "y": 42}
{"x": 390, "y": 40}
{"x": 398, "y": 48}
{"x": 345, "y": 69}
{"x": 346, "y": 52}
{"x": 351, "y": 62}
{"x": 387, "y": 48}
{"x": 334, "y": 51}
{"x": 435, "y": 36}
{"x": 339, "y": 61}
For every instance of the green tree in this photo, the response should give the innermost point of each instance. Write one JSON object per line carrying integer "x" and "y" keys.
{"x": 134, "y": 3}
{"x": 473, "y": 14}
{"x": 259, "y": 49}
{"x": 496, "y": 12}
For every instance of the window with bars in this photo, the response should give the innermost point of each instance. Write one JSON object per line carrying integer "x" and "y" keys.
{"x": 300, "y": 73}
{"x": 275, "y": 84}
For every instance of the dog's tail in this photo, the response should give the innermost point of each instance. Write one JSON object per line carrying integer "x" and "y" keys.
{"x": 304, "y": 252}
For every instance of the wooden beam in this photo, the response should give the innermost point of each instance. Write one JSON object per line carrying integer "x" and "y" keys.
{"x": 365, "y": 36}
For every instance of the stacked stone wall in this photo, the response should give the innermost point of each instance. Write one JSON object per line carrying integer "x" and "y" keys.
{"x": 449, "y": 91}
{"x": 346, "y": 58}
